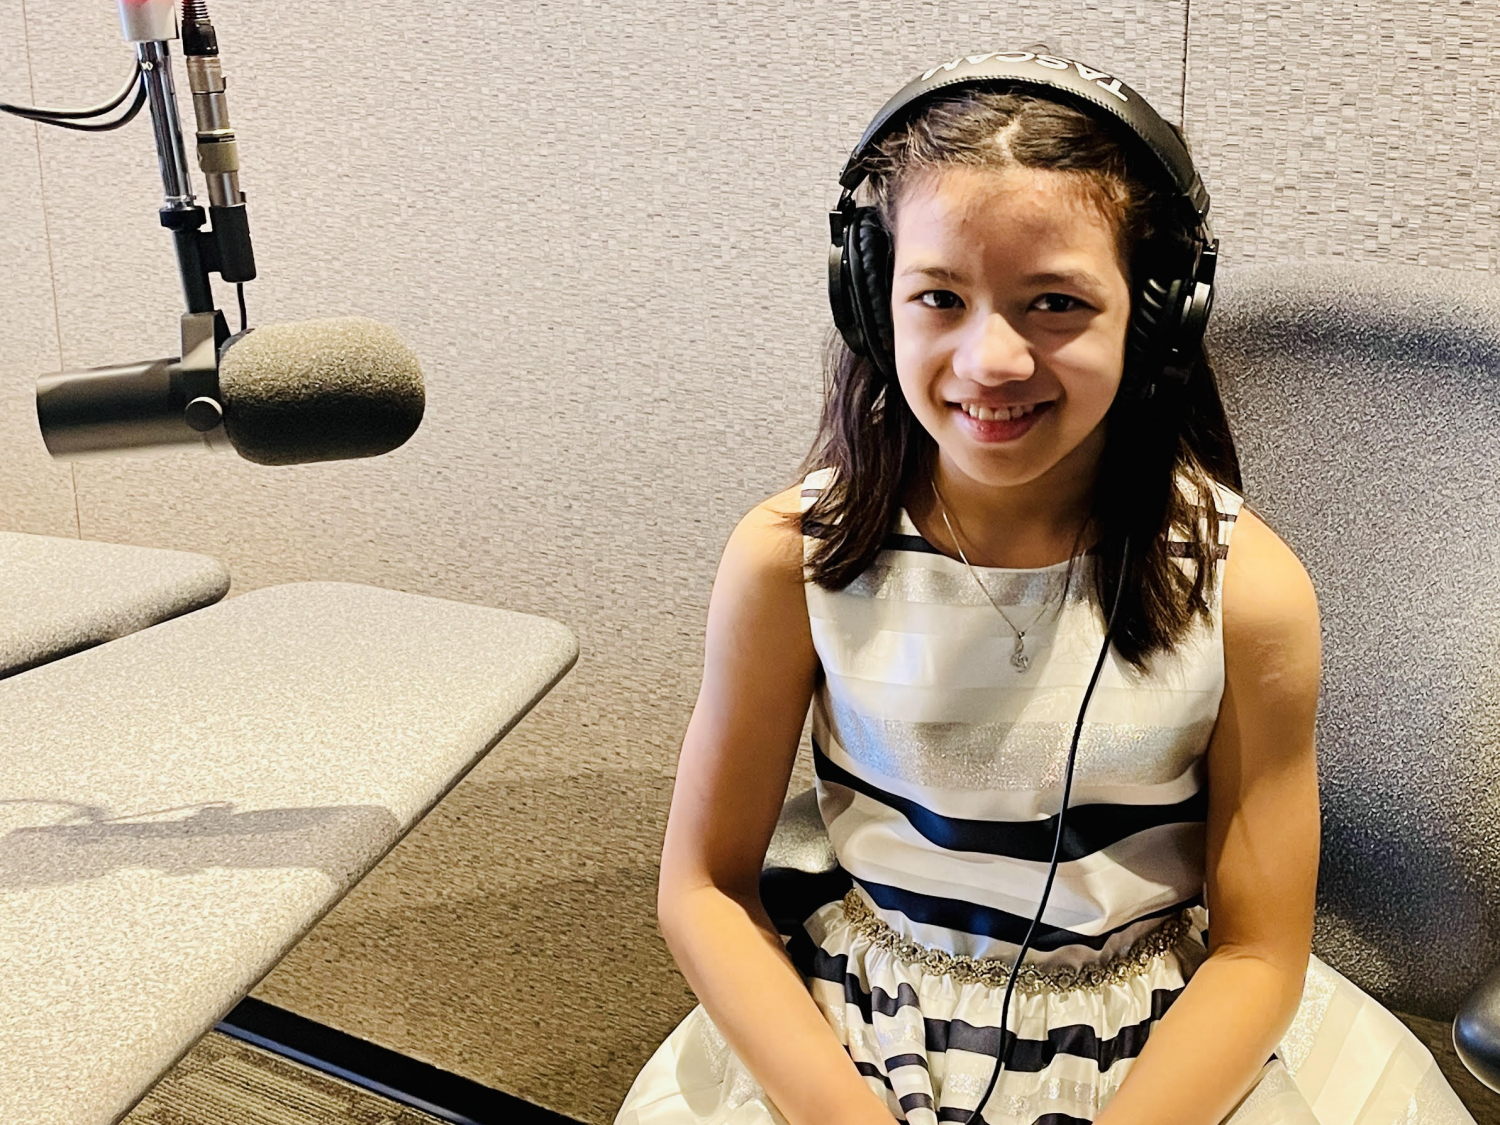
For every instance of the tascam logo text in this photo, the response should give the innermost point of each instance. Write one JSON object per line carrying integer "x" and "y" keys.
{"x": 1051, "y": 62}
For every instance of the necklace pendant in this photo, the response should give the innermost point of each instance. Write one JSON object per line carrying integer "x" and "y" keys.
{"x": 1018, "y": 658}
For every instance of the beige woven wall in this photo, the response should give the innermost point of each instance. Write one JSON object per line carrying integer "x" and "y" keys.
{"x": 602, "y": 227}
{"x": 1365, "y": 129}
{"x": 35, "y": 496}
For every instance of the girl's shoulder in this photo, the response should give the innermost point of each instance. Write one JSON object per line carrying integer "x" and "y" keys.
{"x": 765, "y": 548}
{"x": 1268, "y": 597}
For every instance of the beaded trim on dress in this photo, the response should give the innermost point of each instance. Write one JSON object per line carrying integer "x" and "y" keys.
{"x": 995, "y": 972}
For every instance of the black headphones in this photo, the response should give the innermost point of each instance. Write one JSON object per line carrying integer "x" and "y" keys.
{"x": 1168, "y": 314}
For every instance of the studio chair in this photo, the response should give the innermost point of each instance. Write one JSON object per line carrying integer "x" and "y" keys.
{"x": 1366, "y": 407}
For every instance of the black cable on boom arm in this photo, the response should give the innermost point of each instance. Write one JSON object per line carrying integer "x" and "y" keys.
{"x": 82, "y": 119}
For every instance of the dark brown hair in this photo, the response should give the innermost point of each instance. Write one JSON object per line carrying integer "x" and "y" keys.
{"x": 878, "y": 450}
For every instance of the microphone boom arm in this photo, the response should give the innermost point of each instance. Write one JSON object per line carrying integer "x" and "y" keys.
{"x": 225, "y": 248}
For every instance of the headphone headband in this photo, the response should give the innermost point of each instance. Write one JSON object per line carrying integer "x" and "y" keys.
{"x": 1058, "y": 79}
{"x": 1169, "y": 309}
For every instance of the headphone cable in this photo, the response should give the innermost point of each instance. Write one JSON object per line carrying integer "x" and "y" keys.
{"x": 1001, "y": 1049}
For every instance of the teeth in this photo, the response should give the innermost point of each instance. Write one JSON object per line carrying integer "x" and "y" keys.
{"x": 998, "y": 413}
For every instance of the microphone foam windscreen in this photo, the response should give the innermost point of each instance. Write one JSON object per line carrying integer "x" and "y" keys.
{"x": 319, "y": 390}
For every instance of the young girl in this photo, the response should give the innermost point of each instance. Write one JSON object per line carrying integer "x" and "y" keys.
{"x": 1011, "y": 488}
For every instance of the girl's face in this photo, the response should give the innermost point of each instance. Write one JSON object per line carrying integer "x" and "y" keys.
{"x": 1010, "y": 307}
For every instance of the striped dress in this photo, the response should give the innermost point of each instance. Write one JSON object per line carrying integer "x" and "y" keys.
{"x": 939, "y": 777}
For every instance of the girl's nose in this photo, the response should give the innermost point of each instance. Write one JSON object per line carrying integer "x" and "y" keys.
{"x": 994, "y": 352}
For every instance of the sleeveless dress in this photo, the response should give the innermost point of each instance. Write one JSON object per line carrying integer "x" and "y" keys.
{"x": 939, "y": 776}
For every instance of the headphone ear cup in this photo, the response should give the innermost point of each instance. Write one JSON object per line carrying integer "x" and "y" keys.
{"x": 1155, "y": 318}
{"x": 1198, "y": 304}
{"x": 868, "y": 255}
{"x": 841, "y": 293}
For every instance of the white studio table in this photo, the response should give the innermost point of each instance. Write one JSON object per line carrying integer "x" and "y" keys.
{"x": 179, "y": 806}
{"x": 61, "y": 595}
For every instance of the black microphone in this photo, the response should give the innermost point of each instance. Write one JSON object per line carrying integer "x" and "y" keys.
{"x": 280, "y": 394}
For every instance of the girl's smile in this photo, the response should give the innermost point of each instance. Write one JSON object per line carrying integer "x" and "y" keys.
{"x": 999, "y": 422}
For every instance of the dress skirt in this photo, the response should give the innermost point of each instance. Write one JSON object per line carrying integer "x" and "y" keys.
{"x": 923, "y": 1028}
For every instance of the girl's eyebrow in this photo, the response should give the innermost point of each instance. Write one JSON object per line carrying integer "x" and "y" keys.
{"x": 1078, "y": 278}
{"x": 937, "y": 273}
{"x": 1081, "y": 278}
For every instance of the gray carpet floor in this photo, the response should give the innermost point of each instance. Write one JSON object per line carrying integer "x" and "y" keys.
{"x": 223, "y": 1081}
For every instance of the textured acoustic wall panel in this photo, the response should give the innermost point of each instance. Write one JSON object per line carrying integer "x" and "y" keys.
{"x": 36, "y": 494}
{"x": 603, "y": 228}
{"x": 1367, "y": 129}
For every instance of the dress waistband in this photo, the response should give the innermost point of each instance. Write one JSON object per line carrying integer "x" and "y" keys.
{"x": 995, "y": 971}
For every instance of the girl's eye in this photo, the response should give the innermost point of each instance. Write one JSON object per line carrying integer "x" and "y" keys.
{"x": 939, "y": 299}
{"x": 1058, "y": 303}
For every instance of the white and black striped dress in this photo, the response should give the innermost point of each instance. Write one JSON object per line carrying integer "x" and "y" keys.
{"x": 940, "y": 771}
{"x": 939, "y": 775}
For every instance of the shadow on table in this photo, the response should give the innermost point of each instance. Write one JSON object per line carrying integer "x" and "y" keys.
{"x": 85, "y": 842}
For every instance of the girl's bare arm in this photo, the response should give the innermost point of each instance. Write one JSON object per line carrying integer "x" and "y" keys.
{"x": 1263, "y": 830}
{"x": 758, "y": 678}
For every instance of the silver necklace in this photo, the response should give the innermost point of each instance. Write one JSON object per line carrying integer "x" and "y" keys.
{"x": 1018, "y": 658}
